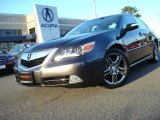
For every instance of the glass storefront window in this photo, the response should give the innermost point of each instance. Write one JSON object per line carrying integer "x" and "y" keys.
{"x": 9, "y": 32}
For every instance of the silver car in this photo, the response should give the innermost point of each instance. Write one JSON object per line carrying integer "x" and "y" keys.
{"x": 19, "y": 48}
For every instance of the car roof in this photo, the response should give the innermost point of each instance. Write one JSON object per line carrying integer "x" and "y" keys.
{"x": 120, "y": 15}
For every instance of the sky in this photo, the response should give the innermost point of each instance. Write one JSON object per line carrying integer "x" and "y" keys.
{"x": 83, "y": 9}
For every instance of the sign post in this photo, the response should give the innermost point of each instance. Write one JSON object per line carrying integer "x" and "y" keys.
{"x": 46, "y": 22}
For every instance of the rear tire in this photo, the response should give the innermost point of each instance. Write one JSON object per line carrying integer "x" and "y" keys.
{"x": 116, "y": 68}
{"x": 155, "y": 53}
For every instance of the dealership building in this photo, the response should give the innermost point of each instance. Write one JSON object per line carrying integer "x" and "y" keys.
{"x": 41, "y": 25}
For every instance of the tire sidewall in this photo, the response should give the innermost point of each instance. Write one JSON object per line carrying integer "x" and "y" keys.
{"x": 115, "y": 50}
{"x": 155, "y": 47}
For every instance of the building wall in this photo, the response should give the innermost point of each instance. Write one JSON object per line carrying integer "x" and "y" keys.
{"x": 67, "y": 24}
{"x": 27, "y": 22}
{"x": 30, "y": 19}
{"x": 13, "y": 22}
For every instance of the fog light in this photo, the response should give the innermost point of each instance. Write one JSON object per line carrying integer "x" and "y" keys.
{"x": 74, "y": 79}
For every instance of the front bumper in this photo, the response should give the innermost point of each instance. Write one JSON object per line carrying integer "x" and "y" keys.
{"x": 7, "y": 65}
{"x": 10, "y": 64}
{"x": 65, "y": 73}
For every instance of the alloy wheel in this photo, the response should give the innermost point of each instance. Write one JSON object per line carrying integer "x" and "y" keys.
{"x": 115, "y": 69}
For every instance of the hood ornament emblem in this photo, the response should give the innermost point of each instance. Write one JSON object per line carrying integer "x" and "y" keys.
{"x": 29, "y": 56}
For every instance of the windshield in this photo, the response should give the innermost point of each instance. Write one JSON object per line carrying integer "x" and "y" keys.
{"x": 17, "y": 48}
{"x": 22, "y": 47}
{"x": 101, "y": 24}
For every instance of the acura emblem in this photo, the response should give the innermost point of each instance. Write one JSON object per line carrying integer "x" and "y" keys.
{"x": 29, "y": 56}
{"x": 47, "y": 14}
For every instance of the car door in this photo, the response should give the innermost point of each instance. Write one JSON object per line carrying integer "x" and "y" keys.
{"x": 133, "y": 41}
{"x": 147, "y": 34}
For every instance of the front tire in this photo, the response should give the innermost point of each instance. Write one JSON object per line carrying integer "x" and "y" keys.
{"x": 116, "y": 68}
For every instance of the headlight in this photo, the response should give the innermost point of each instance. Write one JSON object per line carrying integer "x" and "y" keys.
{"x": 76, "y": 51}
{"x": 11, "y": 58}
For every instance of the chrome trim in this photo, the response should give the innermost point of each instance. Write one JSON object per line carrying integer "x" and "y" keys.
{"x": 35, "y": 55}
{"x": 63, "y": 79}
{"x": 27, "y": 69}
{"x": 27, "y": 82}
{"x": 137, "y": 48}
{"x": 51, "y": 53}
{"x": 140, "y": 61}
{"x": 44, "y": 85}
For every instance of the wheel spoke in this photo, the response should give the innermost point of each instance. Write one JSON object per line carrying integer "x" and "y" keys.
{"x": 118, "y": 60}
{"x": 116, "y": 68}
{"x": 109, "y": 61}
{"x": 107, "y": 72}
{"x": 122, "y": 70}
{"x": 114, "y": 78}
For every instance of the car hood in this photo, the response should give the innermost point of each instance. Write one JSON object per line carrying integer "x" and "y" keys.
{"x": 57, "y": 43}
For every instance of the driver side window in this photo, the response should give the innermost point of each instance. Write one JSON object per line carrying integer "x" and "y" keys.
{"x": 127, "y": 20}
{"x": 141, "y": 24}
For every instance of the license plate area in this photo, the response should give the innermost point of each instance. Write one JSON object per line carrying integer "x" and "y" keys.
{"x": 2, "y": 66}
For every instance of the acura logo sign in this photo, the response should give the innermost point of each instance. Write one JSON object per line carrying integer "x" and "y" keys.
{"x": 47, "y": 14}
{"x": 29, "y": 56}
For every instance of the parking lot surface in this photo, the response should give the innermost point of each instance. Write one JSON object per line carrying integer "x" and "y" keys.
{"x": 138, "y": 99}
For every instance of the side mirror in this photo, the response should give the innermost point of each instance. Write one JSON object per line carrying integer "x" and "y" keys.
{"x": 131, "y": 26}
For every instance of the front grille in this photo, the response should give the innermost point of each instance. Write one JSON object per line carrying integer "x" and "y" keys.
{"x": 3, "y": 60}
{"x": 32, "y": 63}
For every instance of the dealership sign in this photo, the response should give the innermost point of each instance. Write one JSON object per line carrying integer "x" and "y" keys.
{"x": 47, "y": 22}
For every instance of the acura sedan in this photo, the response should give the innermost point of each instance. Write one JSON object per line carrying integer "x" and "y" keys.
{"x": 97, "y": 51}
{"x": 7, "y": 61}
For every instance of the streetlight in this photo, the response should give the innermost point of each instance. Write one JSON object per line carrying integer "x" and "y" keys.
{"x": 94, "y": 7}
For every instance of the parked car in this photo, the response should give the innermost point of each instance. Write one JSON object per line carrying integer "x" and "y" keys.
{"x": 7, "y": 61}
{"x": 100, "y": 50}
{"x": 19, "y": 48}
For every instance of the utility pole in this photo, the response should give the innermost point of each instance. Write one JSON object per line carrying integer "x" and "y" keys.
{"x": 94, "y": 8}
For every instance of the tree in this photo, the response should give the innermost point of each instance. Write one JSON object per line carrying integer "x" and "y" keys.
{"x": 131, "y": 10}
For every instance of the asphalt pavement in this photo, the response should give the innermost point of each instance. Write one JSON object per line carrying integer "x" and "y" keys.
{"x": 138, "y": 99}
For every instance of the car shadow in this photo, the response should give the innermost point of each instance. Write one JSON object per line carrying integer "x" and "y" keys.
{"x": 135, "y": 73}
{"x": 141, "y": 70}
{"x": 5, "y": 73}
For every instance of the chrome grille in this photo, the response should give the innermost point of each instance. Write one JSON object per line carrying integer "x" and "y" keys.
{"x": 3, "y": 60}
{"x": 33, "y": 63}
